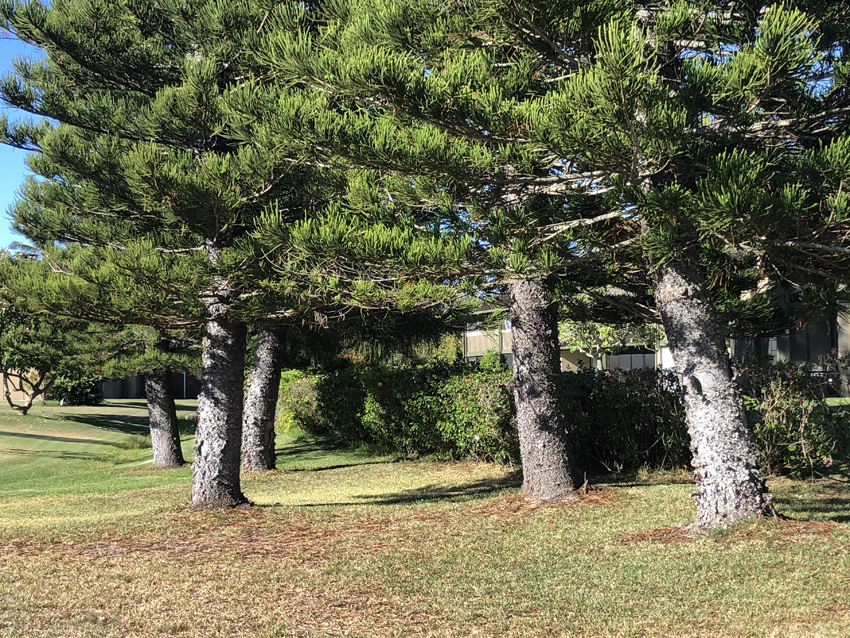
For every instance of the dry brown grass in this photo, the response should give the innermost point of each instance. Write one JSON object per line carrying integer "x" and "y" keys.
{"x": 343, "y": 546}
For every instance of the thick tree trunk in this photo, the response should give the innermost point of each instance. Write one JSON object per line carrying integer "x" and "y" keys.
{"x": 725, "y": 458}
{"x": 261, "y": 401}
{"x": 162, "y": 415}
{"x": 219, "y": 436}
{"x": 545, "y": 451}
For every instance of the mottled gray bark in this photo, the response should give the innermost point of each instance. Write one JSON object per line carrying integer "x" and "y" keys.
{"x": 545, "y": 452}
{"x": 162, "y": 416}
{"x": 725, "y": 458}
{"x": 219, "y": 436}
{"x": 261, "y": 401}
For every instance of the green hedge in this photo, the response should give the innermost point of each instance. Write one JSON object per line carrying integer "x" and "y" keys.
{"x": 449, "y": 411}
{"x": 625, "y": 420}
{"x": 618, "y": 421}
{"x": 78, "y": 389}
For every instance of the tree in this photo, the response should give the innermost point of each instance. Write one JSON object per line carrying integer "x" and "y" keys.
{"x": 596, "y": 339}
{"x": 723, "y": 126}
{"x": 142, "y": 168}
{"x": 112, "y": 349}
{"x": 258, "y": 451}
{"x": 138, "y": 167}
{"x": 155, "y": 355}
{"x": 442, "y": 110}
{"x": 690, "y": 131}
{"x": 34, "y": 350}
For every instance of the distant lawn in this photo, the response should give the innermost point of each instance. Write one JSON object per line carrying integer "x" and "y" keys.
{"x": 93, "y": 542}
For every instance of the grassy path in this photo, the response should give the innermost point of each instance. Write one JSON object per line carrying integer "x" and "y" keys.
{"x": 94, "y": 543}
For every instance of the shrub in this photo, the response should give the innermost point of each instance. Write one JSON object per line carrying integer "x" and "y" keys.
{"x": 456, "y": 411}
{"x": 619, "y": 421}
{"x": 796, "y": 431}
{"x": 623, "y": 420}
{"x": 78, "y": 389}
{"x": 297, "y": 403}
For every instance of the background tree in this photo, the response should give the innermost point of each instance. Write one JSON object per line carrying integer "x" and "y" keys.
{"x": 140, "y": 350}
{"x": 258, "y": 449}
{"x": 595, "y": 339}
{"x": 35, "y": 349}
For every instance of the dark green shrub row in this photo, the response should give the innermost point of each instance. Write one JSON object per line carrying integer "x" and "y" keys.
{"x": 619, "y": 421}
{"x": 459, "y": 411}
{"x": 624, "y": 420}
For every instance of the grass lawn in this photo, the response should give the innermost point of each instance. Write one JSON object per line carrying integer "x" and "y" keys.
{"x": 93, "y": 542}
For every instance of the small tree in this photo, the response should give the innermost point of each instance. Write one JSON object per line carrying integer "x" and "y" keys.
{"x": 155, "y": 355}
{"x": 37, "y": 348}
{"x": 596, "y": 339}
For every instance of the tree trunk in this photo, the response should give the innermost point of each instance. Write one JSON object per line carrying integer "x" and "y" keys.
{"x": 261, "y": 401}
{"x": 725, "y": 458}
{"x": 545, "y": 451}
{"x": 162, "y": 415}
{"x": 219, "y": 436}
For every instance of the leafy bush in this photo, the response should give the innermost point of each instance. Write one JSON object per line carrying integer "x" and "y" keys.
{"x": 619, "y": 421}
{"x": 624, "y": 420}
{"x": 297, "y": 403}
{"x": 796, "y": 431}
{"x": 78, "y": 389}
{"x": 454, "y": 411}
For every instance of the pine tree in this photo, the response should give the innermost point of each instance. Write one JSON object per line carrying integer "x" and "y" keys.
{"x": 142, "y": 168}
{"x": 698, "y": 131}
{"x": 258, "y": 449}
{"x": 155, "y": 355}
{"x": 724, "y": 124}
{"x": 138, "y": 166}
{"x": 444, "y": 99}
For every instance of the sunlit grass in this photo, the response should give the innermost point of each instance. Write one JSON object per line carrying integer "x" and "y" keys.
{"x": 341, "y": 543}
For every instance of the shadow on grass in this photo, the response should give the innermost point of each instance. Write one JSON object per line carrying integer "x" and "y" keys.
{"x": 59, "y": 439}
{"x": 432, "y": 493}
{"x": 114, "y": 423}
{"x": 127, "y": 424}
{"x": 337, "y": 454}
{"x": 56, "y": 454}
{"x": 185, "y": 426}
{"x": 141, "y": 404}
{"x": 450, "y": 493}
{"x": 338, "y": 466}
{"x": 835, "y": 509}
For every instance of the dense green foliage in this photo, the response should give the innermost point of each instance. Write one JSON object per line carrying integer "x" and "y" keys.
{"x": 620, "y": 421}
{"x": 625, "y": 420}
{"x": 78, "y": 389}
{"x": 797, "y": 432}
{"x": 455, "y": 411}
{"x": 39, "y": 349}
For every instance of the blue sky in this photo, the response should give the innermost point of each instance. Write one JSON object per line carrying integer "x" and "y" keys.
{"x": 12, "y": 166}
